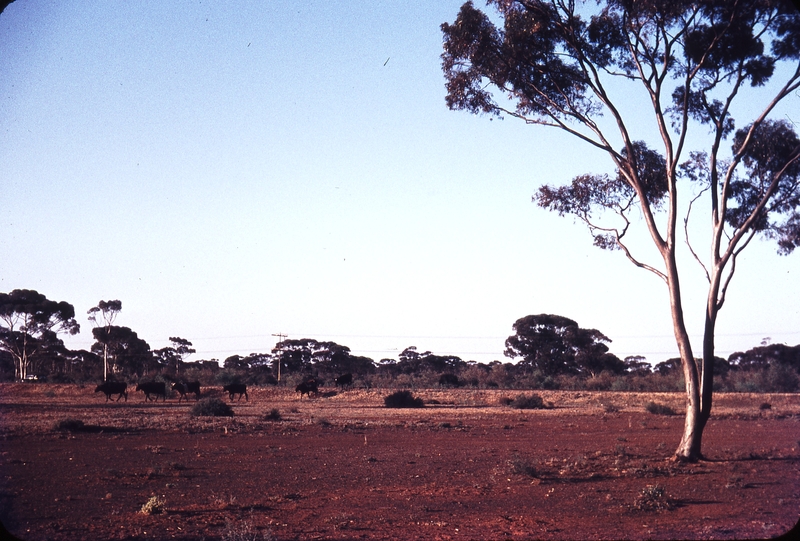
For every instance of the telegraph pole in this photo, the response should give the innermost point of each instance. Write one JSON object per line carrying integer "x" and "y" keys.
{"x": 282, "y": 338}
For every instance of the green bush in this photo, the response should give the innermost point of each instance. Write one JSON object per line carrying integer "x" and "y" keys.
{"x": 211, "y": 407}
{"x": 527, "y": 402}
{"x": 659, "y": 409}
{"x": 403, "y": 399}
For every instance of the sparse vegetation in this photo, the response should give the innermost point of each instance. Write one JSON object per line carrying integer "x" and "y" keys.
{"x": 468, "y": 442}
{"x": 70, "y": 425}
{"x": 519, "y": 466}
{"x": 527, "y": 402}
{"x": 653, "y": 498}
{"x": 153, "y": 506}
{"x": 659, "y": 409}
{"x": 403, "y": 399}
{"x": 245, "y": 531}
{"x": 273, "y": 415}
{"x": 211, "y": 407}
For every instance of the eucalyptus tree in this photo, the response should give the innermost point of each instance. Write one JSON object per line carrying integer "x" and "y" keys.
{"x": 172, "y": 357}
{"x": 575, "y": 66}
{"x": 30, "y": 322}
{"x": 103, "y": 316}
{"x": 556, "y": 345}
{"x": 131, "y": 354}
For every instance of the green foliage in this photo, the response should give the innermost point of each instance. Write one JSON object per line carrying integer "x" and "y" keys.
{"x": 29, "y": 327}
{"x": 403, "y": 399}
{"x": 211, "y": 407}
{"x": 555, "y": 345}
{"x": 228, "y": 376}
{"x": 126, "y": 351}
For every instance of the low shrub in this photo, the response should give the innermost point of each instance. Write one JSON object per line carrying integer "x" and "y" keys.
{"x": 527, "y": 402}
{"x": 273, "y": 415}
{"x": 653, "y": 498}
{"x": 71, "y": 425}
{"x": 659, "y": 409}
{"x": 611, "y": 408}
{"x": 520, "y": 466}
{"x": 403, "y": 399}
{"x": 245, "y": 531}
{"x": 211, "y": 407}
{"x": 154, "y": 506}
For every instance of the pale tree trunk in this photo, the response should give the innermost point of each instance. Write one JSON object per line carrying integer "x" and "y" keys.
{"x": 689, "y": 446}
{"x": 707, "y": 373}
{"x": 699, "y": 380}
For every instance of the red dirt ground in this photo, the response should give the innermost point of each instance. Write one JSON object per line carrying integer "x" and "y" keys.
{"x": 342, "y": 466}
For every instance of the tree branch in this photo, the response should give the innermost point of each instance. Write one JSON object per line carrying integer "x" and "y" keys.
{"x": 686, "y": 232}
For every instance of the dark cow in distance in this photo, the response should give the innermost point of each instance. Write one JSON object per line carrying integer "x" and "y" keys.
{"x": 188, "y": 387}
{"x": 236, "y": 388}
{"x": 153, "y": 387}
{"x": 345, "y": 380}
{"x": 307, "y": 387}
{"x": 113, "y": 387}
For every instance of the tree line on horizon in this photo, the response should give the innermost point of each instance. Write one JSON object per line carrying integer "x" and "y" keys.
{"x": 550, "y": 352}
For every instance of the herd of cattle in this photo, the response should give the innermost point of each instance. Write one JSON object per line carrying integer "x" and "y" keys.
{"x": 153, "y": 389}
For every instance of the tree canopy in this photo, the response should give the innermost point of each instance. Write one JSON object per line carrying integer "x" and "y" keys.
{"x": 576, "y": 66}
{"x": 556, "y": 345}
{"x": 127, "y": 352}
{"x": 31, "y": 322}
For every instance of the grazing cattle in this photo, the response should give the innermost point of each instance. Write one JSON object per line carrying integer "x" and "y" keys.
{"x": 344, "y": 380}
{"x": 189, "y": 387}
{"x": 307, "y": 387}
{"x": 113, "y": 387}
{"x": 193, "y": 387}
{"x": 236, "y": 388}
{"x": 153, "y": 387}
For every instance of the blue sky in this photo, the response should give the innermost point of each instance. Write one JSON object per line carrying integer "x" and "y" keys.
{"x": 233, "y": 170}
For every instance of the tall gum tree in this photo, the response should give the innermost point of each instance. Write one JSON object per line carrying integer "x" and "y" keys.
{"x": 574, "y": 66}
{"x": 103, "y": 316}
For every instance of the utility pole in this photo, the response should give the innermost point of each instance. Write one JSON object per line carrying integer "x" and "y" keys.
{"x": 282, "y": 338}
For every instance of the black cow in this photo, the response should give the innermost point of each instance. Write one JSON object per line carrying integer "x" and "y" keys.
{"x": 236, "y": 388}
{"x": 307, "y": 387}
{"x": 188, "y": 387}
{"x": 344, "y": 380}
{"x": 153, "y": 387}
{"x": 113, "y": 387}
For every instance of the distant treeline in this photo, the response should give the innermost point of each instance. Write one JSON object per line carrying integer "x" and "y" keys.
{"x": 769, "y": 368}
{"x": 552, "y": 352}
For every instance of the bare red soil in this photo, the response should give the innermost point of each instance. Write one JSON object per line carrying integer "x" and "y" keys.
{"x": 342, "y": 466}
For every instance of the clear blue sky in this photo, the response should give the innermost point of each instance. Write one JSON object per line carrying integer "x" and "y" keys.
{"x": 230, "y": 170}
